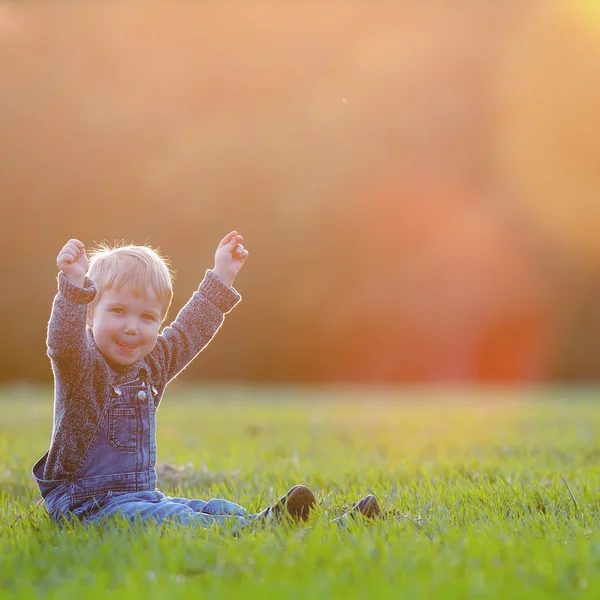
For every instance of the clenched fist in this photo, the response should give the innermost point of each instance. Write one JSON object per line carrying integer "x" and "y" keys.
{"x": 73, "y": 262}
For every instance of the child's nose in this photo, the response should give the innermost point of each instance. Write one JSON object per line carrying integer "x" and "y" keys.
{"x": 131, "y": 326}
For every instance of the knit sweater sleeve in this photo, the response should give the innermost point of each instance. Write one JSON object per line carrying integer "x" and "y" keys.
{"x": 66, "y": 339}
{"x": 196, "y": 324}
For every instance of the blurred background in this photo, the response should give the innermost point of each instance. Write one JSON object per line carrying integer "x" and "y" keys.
{"x": 417, "y": 182}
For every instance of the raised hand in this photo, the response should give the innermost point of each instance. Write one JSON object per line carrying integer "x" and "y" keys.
{"x": 73, "y": 262}
{"x": 230, "y": 257}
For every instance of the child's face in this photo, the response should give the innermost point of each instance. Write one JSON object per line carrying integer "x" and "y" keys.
{"x": 125, "y": 324}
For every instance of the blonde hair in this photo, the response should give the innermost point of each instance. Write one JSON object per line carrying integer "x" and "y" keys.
{"x": 140, "y": 266}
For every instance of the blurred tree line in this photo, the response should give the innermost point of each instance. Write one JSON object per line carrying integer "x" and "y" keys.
{"x": 417, "y": 187}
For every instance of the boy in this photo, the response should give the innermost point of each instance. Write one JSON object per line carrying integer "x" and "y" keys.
{"x": 111, "y": 367}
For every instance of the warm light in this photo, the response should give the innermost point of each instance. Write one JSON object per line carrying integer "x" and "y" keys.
{"x": 586, "y": 11}
{"x": 547, "y": 143}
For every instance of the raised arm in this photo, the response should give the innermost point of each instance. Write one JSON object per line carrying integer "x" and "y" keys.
{"x": 67, "y": 340}
{"x": 200, "y": 319}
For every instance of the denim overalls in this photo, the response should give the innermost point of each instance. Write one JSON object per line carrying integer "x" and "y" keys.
{"x": 117, "y": 474}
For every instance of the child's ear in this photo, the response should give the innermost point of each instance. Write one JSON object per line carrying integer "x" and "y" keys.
{"x": 90, "y": 317}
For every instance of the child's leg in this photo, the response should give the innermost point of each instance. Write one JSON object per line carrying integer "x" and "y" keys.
{"x": 156, "y": 508}
{"x": 214, "y": 506}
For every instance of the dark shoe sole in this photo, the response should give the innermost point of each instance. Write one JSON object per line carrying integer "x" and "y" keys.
{"x": 368, "y": 507}
{"x": 298, "y": 502}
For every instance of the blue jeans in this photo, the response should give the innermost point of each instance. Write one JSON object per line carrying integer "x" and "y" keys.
{"x": 117, "y": 473}
{"x": 157, "y": 508}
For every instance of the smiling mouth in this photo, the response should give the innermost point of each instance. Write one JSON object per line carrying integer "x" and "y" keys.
{"x": 126, "y": 347}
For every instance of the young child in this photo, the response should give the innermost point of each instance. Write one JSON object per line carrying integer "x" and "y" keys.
{"x": 111, "y": 366}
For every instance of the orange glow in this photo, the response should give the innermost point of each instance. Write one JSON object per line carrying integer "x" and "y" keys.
{"x": 547, "y": 141}
{"x": 419, "y": 189}
{"x": 456, "y": 295}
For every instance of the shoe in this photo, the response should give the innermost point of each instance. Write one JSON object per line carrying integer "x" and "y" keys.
{"x": 368, "y": 508}
{"x": 297, "y": 504}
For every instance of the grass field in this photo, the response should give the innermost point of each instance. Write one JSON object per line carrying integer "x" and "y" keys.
{"x": 473, "y": 482}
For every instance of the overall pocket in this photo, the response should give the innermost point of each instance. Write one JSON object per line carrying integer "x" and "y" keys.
{"x": 122, "y": 428}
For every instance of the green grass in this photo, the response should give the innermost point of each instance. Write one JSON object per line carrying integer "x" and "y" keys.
{"x": 474, "y": 477}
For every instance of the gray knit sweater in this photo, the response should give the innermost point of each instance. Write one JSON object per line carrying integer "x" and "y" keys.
{"x": 83, "y": 377}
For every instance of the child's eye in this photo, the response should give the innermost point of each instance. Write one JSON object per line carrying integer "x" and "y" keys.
{"x": 148, "y": 317}
{"x": 119, "y": 311}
